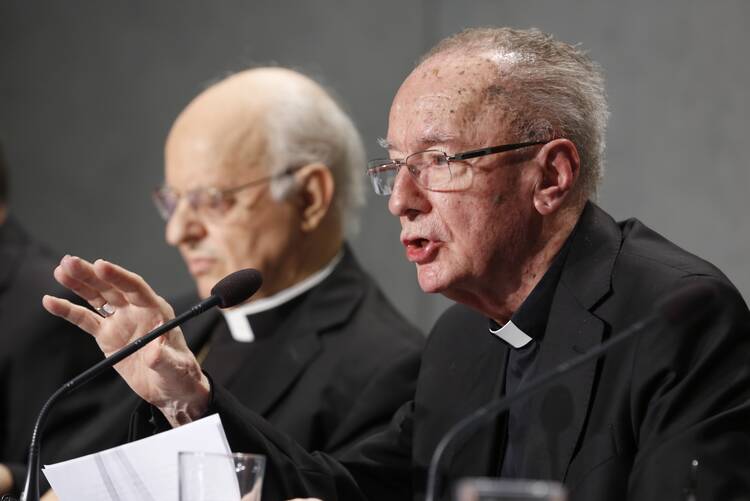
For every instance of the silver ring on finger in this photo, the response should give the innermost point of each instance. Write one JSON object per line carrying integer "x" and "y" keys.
{"x": 105, "y": 310}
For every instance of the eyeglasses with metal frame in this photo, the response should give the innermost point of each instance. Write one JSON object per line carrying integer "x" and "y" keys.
{"x": 433, "y": 170}
{"x": 211, "y": 201}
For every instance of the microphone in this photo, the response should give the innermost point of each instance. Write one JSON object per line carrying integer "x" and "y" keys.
{"x": 229, "y": 291}
{"x": 684, "y": 307}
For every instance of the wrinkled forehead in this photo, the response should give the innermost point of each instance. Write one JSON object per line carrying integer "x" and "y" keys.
{"x": 212, "y": 144}
{"x": 447, "y": 100}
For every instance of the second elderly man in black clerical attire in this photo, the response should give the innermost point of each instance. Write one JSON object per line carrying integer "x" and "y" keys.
{"x": 264, "y": 170}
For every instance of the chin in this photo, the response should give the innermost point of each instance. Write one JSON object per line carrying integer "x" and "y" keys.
{"x": 203, "y": 287}
{"x": 430, "y": 281}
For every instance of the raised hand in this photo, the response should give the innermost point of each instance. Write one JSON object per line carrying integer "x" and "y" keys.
{"x": 165, "y": 372}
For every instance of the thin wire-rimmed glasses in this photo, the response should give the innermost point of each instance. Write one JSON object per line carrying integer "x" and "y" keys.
{"x": 208, "y": 202}
{"x": 433, "y": 169}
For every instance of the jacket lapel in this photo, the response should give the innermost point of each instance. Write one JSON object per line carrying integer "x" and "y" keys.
{"x": 265, "y": 369}
{"x": 572, "y": 330}
{"x": 486, "y": 370}
{"x": 463, "y": 368}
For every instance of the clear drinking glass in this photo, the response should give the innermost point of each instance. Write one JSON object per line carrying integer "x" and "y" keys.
{"x": 220, "y": 477}
{"x": 498, "y": 489}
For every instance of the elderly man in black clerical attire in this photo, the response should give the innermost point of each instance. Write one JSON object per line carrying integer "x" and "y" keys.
{"x": 495, "y": 144}
{"x": 264, "y": 170}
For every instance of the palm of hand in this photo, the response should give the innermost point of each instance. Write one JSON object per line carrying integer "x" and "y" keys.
{"x": 164, "y": 372}
{"x": 157, "y": 371}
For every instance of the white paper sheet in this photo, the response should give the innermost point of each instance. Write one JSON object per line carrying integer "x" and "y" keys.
{"x": 145, "y": 470}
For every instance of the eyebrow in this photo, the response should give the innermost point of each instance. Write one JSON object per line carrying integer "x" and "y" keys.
{"x": 437, "y": 138}
{"x": 427, "y": 141}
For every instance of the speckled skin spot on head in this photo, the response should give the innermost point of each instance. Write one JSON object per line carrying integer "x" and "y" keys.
{"x": 453, "y": 86}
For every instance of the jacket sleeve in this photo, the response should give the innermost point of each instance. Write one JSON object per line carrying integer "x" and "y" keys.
{"x": 376, "y": 468}
{"x": 370, "y": 407}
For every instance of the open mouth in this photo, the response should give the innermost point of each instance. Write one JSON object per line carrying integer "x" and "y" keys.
{"x": 421, "y": 250}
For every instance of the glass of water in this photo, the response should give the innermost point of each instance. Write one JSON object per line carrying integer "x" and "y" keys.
{"x": 220, "y": 477}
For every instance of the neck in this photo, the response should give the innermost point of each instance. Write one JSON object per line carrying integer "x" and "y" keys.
{"x": 500, "y": 293}
{"x": 309, "y": 255}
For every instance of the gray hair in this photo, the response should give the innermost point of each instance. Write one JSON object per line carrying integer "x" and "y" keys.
{"x": 311, "y": 127}
{"x": 550, "y": 88}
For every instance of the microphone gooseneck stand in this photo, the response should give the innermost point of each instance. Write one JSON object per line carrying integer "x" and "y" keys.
{"x": 230, "y": 291}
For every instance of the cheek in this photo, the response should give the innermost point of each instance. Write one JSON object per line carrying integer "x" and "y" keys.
{"x": 256, "y": 242}
{"x": 479, "y": 230}
{"x": 240, "y": 246}
{"x": 468, "y": 223}
{"x": 228, "y": 240}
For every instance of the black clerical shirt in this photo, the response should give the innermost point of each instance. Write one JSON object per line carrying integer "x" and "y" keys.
{"x": 263, "y": 324}
{"x": 521, "y": 366}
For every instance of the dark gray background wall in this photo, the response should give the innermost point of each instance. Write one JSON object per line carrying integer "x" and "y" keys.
{"x": 88, "y": 90}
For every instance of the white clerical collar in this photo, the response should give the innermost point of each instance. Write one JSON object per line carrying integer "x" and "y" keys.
{"x": 511, "y": 334}
{"x": 236, "y": 317}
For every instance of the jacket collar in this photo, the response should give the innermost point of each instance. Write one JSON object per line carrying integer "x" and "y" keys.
{"x": 594, "y": 249}
{"x": 573, "y": 329}
{"x": 270, "y": 366}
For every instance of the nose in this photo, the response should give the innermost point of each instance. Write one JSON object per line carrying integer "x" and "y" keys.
{"x": 184, "y": 226}
{"x": 407, "y": 199}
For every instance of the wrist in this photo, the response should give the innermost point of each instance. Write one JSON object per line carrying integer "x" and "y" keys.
{"x": 192, "y": 408}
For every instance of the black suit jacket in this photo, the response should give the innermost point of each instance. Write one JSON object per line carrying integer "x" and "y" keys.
{"x": 334, "y": 371}
{"x": 626, "y": 427}
{"x": 38, "y": 353}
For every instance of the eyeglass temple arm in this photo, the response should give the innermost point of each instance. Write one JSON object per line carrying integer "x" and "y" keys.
{"x": 494, "y": 149}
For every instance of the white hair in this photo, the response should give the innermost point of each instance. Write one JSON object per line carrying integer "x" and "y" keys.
{"x": 550, "y": 88}
{"x": 305, "y": 126}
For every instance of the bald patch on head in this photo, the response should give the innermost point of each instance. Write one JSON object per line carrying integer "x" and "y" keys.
{"x": 452, "y": 96}
{"x": 226, "y": 121}
{"x": 493, "y": 92}
{"x": 480, "y": 79}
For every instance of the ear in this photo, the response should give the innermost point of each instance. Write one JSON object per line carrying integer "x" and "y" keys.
{"x": 315, "y": 188}
{"x": 559, "y": 168}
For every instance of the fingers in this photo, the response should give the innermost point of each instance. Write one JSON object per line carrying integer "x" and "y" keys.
{"x": 79, "y": 276}
{"x": 104, "y": 282}
{"x": 129, "y": 284}
{"x": 80, "y": 288}
{"x": 84, "y": 318}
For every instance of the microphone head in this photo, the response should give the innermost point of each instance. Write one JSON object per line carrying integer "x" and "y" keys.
{"x": 237, "y": 287}
{"x": 690, "y": 303}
